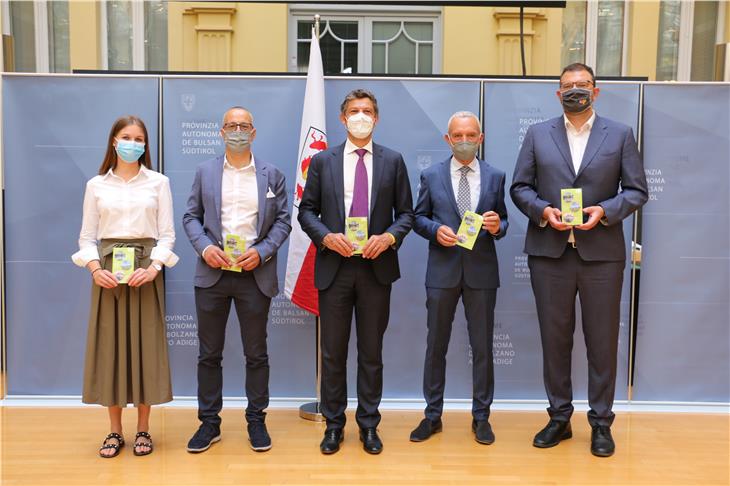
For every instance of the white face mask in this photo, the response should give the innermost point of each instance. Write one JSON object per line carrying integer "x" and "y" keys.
{"x": 360, "y": 125}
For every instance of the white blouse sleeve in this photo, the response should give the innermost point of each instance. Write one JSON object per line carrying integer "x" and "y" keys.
{"x": 165, "y": 226}
{"x": 89, "y": 223}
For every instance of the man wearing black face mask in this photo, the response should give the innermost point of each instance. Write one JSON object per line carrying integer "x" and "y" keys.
{"x": 578, "y": 150}
{"x": 448, "y": 192}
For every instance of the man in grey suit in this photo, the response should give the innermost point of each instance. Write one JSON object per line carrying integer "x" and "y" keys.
{"x": 364, "y": 180}
{"x": 235, "y": 198}
{"x": 599, "y": 156}
{"x": 458, "y": 184}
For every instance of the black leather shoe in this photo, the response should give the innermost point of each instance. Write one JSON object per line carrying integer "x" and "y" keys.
{"x": 425, "y": 430}
{"x": 552, "y": 434}
{"x": 602, "y": 444}
{"x": 331, "y": 442}
{"x": 371, "y": 443}
{"x": 259, "y": 437}
{"x": 482, "y": 431}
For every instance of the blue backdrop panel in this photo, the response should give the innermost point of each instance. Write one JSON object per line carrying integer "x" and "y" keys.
{"x": 510, "y": 108}
{"x": 55, "y": 131}
{"x": 194, "y": 108}
{"x": 683, "y": 346}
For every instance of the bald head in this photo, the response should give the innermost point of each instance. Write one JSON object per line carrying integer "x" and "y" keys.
{"x": 237, "y": 112}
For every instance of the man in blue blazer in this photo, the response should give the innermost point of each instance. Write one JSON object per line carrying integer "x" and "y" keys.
{"x": 599, "y": 156}
{"x": 358, "y": 179}
{"x": 235, "y": 197}
{"x": 458, "y": 184}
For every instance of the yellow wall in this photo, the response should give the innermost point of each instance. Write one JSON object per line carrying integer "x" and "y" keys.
{"x": 227, "y": 36}
{"x": 485, "y": 40}
{"x": 643, "y": 38}
{"x": 84, "y": 33}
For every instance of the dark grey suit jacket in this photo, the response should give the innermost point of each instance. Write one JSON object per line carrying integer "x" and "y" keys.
{"x": 437, "y": 206}
{"x": 322, "y": 209}
{"x": 611, "y": 175}
{"x": 202, "y": 221}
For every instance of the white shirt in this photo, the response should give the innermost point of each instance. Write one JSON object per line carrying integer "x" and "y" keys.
{"x": 350, "y": 159}
{"x": 475, "y": 181}
{"x": 138, "y": 208}
{"x": 240, "y": 201}
{"x": 578, "y": 139}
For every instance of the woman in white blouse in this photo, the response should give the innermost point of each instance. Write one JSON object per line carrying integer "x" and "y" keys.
{"x": 127, "y": 205}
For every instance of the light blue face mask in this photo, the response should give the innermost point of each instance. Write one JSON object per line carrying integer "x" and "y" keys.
{"x": 129, "y": 151}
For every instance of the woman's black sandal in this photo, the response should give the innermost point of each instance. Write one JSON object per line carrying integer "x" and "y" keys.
{"x": 142, "y": 444}
{"x": 105, "y": 446}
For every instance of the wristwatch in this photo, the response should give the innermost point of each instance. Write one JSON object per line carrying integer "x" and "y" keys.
{"x": 157, "y": 267}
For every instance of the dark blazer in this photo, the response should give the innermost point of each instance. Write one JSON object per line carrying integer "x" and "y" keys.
{"x": 202, "y": 221}
{"x": 544, "y": 167}
{"x": 437, "y": 206}
{"x": 322, "y": 209}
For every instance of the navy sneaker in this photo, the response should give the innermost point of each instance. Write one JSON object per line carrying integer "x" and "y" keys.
{"x": 206, "y": 435}
{"x": 259, "y": 437}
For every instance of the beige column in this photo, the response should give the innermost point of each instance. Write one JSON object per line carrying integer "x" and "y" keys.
{"x": 84, "y": 35}
{"x": 643, "y": 38}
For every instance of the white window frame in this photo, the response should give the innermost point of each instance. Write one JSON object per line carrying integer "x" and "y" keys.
{"x": 365, "y": 16}
{"x": 592, "y": 35}
{"x": 686, "y": 35}
{"x": 138, "y": 53}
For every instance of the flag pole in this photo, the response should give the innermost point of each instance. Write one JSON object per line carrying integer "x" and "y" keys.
{"x": 311, "y": 411}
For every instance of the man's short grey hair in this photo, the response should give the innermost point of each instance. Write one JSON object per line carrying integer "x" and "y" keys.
{"x": 464, "y": 114}
{"x": 223, "y": 121}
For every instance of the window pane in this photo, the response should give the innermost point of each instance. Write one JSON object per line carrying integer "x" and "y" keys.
{"x": 331, "y": 54}
{"x": 378, "y": 58}
{"x": 119, "y": 38}
{"x": 668, "y": 44}
{"x": 610, "y": 38}
{"x": 402, "y": 56}
{"x": 425, "y": 59}
{"x": 302, "y": 56}
{"x": 350, "y": 65}
{"x": 573, "y": 44}
{"x": 344, "y": 30}
{"x": 383, "y": 31}
{"x": 58, "y": 37}
{"x": 22, "y": 28}
{"x": 304, "y": 29}
{"x": 155, "y": 35}
{"x": 421, "y": 31}
{"x": 703, "y": 41}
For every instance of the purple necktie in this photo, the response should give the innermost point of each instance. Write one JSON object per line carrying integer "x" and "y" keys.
{"x": 359, "y": 207}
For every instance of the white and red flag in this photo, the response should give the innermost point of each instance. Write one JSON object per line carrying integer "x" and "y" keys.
{"x": 299, "y": 284}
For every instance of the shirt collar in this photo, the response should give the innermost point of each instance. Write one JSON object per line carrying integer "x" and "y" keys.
{"x": 587, "y": 126}
{"x": 251, "y": 166}
{"x": 142, "y": 173}
{"x": 456, "y": 165}
{"x": 351, "y": 147}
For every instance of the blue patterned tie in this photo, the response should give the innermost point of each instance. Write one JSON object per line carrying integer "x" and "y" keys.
{"x": 463, "y": 199}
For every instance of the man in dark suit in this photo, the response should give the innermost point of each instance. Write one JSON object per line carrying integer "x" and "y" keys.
{"x": 458, "y": 184}
{"x": 358, "y": 179}
{"x": 235, "y": 196}
{"x": 599, "y": 156}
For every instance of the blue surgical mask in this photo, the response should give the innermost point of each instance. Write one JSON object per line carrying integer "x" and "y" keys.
{"x": 129, "y": 151}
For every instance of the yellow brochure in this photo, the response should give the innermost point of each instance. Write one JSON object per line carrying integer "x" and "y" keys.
{"x": 123, "y": 264}
{"x": 571, "y": 206}
{"x": 469, "y": 230}
{"x": 356, "y": 230}
{"x": 234, "y": 246}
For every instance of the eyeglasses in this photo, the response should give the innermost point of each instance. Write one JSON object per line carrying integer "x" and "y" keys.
{"x": 244, "y": 127}
{"x": 579, "y": 84}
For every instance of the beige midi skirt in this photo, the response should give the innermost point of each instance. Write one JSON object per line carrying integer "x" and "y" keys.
{"x": 126, "y": 348}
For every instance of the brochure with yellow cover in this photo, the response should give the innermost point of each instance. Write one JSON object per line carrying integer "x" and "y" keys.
{"x": 571, "y": 206}
{"x": 356, "y": 230}
{"x": 234, "y": 246}
{"x": 469, "y": 229}
{"x": 122, "y": 264}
